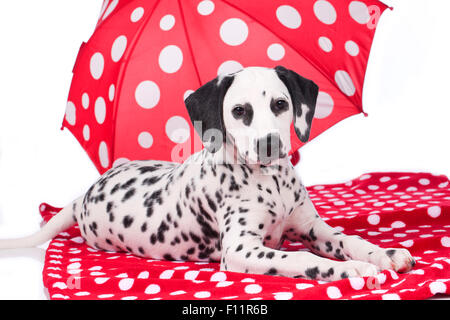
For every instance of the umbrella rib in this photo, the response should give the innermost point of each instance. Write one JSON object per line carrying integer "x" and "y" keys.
{"x": 123, "y": 67}
{"x": 287, "y": 43}
{"x": 188, "y": 40}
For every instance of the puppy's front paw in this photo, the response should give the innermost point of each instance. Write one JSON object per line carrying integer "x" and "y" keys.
{"x": 399, "y": 260}
{"x": 352, "y": 268}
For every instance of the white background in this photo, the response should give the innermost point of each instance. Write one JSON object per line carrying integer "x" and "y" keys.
{"x": 406, "y": 95}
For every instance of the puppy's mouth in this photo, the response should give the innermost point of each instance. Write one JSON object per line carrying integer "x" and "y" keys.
{"x": 264, "y": 160}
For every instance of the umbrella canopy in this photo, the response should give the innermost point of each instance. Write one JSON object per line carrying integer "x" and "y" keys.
{"x": 130, "y": 79}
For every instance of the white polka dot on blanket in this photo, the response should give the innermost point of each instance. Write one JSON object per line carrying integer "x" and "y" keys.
{"x": 166, "y": 274}
{"x": 177, "y": 293}
{"x": 437, "y": 287}
{"x": 283, "y": 295}
{"x": 143, "y": 275}
{"x": 424, "y": 181}
{"x": 445, "y": 241}
{"x": 152, "y": 289}
{"x": 334, "y": 292}
{"x": 434, "y": 211}
{"x": 398, "y": 224}
{"x": 253, "y": 289}
{"x": 357, "y": 283}
{"x": 407, "y": 243}
{"x": 303, "y": 286}
{"x": 373, "y": 219}
{"x": 101, "y": 280}
{"x": 191, "y": 275}
{"x": 202, "y": 294}
{"x": 126, "y": 284}
{"x": 218, "y": 276}
{"x": 390, "y": 296}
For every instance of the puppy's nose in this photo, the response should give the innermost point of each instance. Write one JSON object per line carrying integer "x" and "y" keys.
{"x": 268, "y": 148}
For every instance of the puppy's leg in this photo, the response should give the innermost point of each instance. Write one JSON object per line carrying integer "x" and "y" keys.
{"x": 305, "y": 225}
{"x": 248, "y": 254}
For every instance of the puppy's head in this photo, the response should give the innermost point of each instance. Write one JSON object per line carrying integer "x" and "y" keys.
{"x": 253, "y": 110}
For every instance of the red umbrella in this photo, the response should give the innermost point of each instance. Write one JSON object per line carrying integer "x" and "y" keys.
{"x": 145, "y": 57}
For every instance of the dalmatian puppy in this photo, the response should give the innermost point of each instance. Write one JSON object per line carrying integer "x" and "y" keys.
{"x": 236, "y": 201}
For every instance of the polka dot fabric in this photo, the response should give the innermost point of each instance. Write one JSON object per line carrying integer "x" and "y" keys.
{"x": 145, "y": 57}
{"x": 405, "y": 210}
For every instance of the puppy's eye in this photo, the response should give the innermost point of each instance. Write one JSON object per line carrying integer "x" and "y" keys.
{"x": 238, "y": 111}
{"x": 281, "y": 104}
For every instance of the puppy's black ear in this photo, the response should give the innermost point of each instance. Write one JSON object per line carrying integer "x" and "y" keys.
{"x": 304, "y": 97}
{"x": 205, "y": 108}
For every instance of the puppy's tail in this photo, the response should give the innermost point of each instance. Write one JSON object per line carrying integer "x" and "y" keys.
{"x": 60, "y": 222}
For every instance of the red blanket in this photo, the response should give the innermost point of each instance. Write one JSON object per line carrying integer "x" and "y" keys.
{"x": 409, "y": 210}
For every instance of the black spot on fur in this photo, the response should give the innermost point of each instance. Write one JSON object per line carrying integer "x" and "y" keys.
{"x": 271, "y": 271}
{"x": 312, "y": 235}
{"x": 167, "y": 256}
{"x": 150, "y": 181}
{"x": 327, "y": 274}
{"x": 146, "y": 169}
{"x": 194, "y": 237}
{"x": 312, "y": 273}
{"x": 129, "y": 183}
{"x": 128, "y": 194}
{"x": 109, "y": 206}
{"x": 179, "y": 212}
{"x": 163, "y": 227}
{"x": 127, "y": 221}
{"x": 211, "y": 203}
{"x": 339, "y": 255}
{"x": 390, "y": 252}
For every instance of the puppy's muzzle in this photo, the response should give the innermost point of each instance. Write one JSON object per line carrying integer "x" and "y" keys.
{"x": 269, "y": 148}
